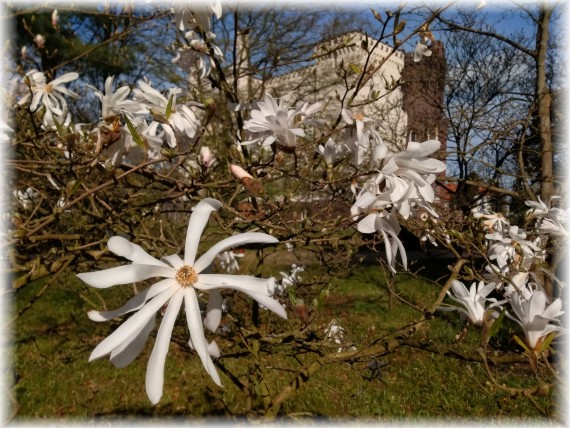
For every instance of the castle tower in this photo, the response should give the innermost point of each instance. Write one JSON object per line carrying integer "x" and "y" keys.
{"x": 423, "y": 91}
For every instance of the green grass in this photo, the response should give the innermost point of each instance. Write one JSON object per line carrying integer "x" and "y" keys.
{"x": 53, "y": 379}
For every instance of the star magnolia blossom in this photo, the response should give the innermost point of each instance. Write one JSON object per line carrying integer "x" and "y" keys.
{"x": 277, "y": 120}
{"x": 361, "y": 138}
{"x": 50, "y": 94}
{"x": 512, "y": 247}
{"x": 115, "y": 103}
{"x": 422, "y": 49}
{"x": 197, "y": 15}
{"x": 330, "y": 152}
{"x": 183, "y": 278}
{"x": 534, "y": 316}
{"x": 473, "y": 300}
{"x": 403, "y": 184}
{"x": 179, "y": 118}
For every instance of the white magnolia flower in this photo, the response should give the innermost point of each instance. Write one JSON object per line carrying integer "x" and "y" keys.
{"x": 534, "y": 316}
{"x": 493, "y": 221}
{"x": 331, "y": 151}
{"x": 196, "y": 15}
{"x": 383, "y": 221}
{"x": 539, "y": 209}
{"x": 277, "y": 122}
{"x": 179, "y": 118}
{"x": 183, "y": 278}
{"x": 50, "y": 94}
{"x": 357, "y": 136}
{"x": 196, "y": 54}
{"x": 49, "y": 119}
{"x": 408, "y": 176}
{"x": 116, "y": 103}
{"x": 550, "y": 220}
{"x": 513, "y": 248}
{"x": 473, "y": 301}
{"x": 422, "y": 49}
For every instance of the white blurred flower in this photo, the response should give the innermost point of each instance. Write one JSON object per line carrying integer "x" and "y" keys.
{"x": 228, "y": 260}
{"x": 428, "y": 235}
{"x": 27, "y": 198}
{"x": 335, "y": 333}
{"x": 473, "y": 301}
{"x": 331, "y": 151}
{"x": 197, "y": 55}
{"x": 550, "y": 220}
{"x": 197, "y": 15}
{"x": 422, "y": 49}
{"x": 288, "y": 279}
{"x": 494, "y": 222}
{"x": 535, "y": 315}
{"x": 184, "y": 277}
{"x": 5, "y": 132}
{"x": 513, "y": 248}
{"x": 116, "y": 103}
{"x": 404, "y": 184}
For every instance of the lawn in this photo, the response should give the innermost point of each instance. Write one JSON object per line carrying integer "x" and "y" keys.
{"x": 54, "y": 380}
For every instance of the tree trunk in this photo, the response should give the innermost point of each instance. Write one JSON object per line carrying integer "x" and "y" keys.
{"x": 544, "y": 100}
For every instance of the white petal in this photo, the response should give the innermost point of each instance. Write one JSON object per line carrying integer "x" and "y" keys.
{"x": 131, "y": 325}
{"x": 155, "y": 368}
{"x": 197, "y": 337}
{"x": 174, "y": 260}
{"x": 124, "y": 248}
{"x": 125, "y": 354}
{"x": 258, "y": 288}
{"x": 125, "y": 275}
{"x": 133, "y": 304}
{"x": 213, "y": 311}
{"x": 233, "y": 241}
{"x": 68, "y": 77}
{"x": 196, "y": 226}
{"x": 368, "y": 224}
{"x": 213, "y": 349}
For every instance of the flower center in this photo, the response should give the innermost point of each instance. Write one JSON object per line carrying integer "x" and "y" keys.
{"x": 186, "y": 276}
{"x": 358, "y": 116}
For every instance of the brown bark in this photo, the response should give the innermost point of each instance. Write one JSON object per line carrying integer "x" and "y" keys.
{"x": 544, "y": 100}
{"x": 545, "y": 132}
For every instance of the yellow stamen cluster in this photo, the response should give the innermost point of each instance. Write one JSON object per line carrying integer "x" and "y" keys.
{"x": 358, "y": 116}
{"x": 186, "y": 276}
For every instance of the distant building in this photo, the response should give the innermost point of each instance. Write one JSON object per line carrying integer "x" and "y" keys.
{"x": 411, "y": 112}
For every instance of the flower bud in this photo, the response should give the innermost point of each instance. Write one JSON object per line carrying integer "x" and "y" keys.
{"x": 252, "y": 186}
{"x": 54, "y": 18}
{"x": 39, "y": 40}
